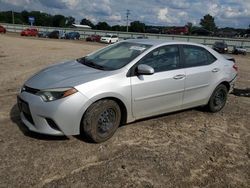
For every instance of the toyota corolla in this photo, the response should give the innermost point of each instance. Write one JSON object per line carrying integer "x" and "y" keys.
{"x": 124, "y": 82}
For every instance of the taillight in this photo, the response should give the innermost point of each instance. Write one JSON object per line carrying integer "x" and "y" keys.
{"x": 235, "y": 67}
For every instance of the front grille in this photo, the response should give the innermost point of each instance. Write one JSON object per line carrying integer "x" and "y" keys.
{"x": 30, "y": 90}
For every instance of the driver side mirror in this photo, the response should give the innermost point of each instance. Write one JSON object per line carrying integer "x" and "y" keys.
{"x": 143, "y": 69}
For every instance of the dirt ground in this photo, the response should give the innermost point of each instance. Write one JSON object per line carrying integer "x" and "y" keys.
{"x": 191, "y": 148}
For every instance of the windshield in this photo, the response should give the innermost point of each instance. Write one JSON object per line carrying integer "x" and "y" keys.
{"x": 115, "y": 56}
{"x": 108, "y": 36}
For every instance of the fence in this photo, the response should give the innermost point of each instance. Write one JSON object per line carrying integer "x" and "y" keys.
{"x": 209, "y": 41}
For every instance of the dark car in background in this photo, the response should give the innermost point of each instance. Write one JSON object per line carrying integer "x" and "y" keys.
{"x": 57, "y": 34}
{"x": 72, "y": 35}
{"x": 201, "y": 32}
{"x": 220, "y": 47}
{"x": 43, "y": 34}
{"x": 29, "y": 32}
{"x": 239, "y": 50}
{"x": 2, "y": 29}
{"x": 93, "y": 38}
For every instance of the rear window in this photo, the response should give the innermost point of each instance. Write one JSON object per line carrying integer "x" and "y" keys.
{"x": 197, "y": 56}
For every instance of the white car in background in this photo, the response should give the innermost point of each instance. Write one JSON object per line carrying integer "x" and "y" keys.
{"x": 109, "y": 39}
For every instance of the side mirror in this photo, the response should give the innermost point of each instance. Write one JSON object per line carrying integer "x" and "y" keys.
{"x": 145, "y": 70}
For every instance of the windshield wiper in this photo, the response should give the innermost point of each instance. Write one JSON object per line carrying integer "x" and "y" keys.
{"x": 94, "y": 65}
{"x": 84, "y": 61}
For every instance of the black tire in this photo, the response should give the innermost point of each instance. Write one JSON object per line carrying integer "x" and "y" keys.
{"x": 101, "y": 120}
{"x": 218, "y": 99}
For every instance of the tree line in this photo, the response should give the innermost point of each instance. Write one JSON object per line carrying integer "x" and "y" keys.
{"x": 45, "y": 19}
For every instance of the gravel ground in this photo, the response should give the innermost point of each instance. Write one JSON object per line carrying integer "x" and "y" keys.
{"x": 191, "y": 148}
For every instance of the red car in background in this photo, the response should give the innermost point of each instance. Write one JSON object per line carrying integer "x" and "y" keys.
{"x": 94, "y": 38}
{"x": 177, "y": 31}
{"x": 29, "y": 32}
{"x": 2, "y": 29}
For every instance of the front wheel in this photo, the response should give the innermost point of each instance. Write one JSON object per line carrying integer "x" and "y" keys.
{"x": 218, "y": 99}
{"x": 101, "y": 120}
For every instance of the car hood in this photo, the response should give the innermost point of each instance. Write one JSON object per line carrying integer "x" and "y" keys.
{"x": 68, "y": 74}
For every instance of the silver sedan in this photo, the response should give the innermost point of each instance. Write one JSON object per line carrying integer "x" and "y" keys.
{"x": 122, "y": 83}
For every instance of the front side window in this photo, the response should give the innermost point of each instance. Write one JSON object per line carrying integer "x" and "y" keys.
{"x": 115, "y": 56}
{"x": 197, "y": 56}
{"x": 163, "y": 58}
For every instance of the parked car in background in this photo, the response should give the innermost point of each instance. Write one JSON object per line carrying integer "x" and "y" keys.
{"x": 72, "y": 35}
{"x": 57, "y": 34}
{"x": 29, "y": 32}
{"x": 153, "y": 30}
{"x": 44, "y": 34}
{"x": 2, "y": 29}
{"x": 142, "y": 37}
{"x": 138, "y": 37}
{"x": 176, "y": 31}
{"x": 220, "y": 47}
{"x": 239, "y": 50}
{"x": 93, "y": 38}
{"x": 226, "y": 33}
{"x": 124, "y": 82}
{"x": 109, "y": 39}
{"x": 201, "y": 32}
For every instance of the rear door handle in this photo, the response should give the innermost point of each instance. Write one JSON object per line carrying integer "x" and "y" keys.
{"x": 179, "y": 76}
{"x": 216, "y": 70}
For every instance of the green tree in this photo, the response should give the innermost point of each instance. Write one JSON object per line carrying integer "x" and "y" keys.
{"x": 189, "y": 25}
{"x": 58, "y": 21}
{"x": 137, "y": 26}
{"x": 208, "y": 23}
{"x": 103, "y": 26}
{"x": 85, "y": 21}
{"x": 69, "y": 21}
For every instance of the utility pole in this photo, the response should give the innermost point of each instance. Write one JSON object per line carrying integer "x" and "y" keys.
{"x": 13, "y": 18}
{"x": 127, "y": 14}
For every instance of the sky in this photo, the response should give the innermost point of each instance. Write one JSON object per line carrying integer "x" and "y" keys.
{"x": 227, "y": 13}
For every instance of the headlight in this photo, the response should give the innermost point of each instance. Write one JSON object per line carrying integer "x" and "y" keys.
{"x": 54, "y": 94}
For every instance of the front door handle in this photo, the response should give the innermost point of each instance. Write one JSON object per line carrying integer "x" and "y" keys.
{"x": 216, "y": 70}
{"x": 179, "y": 76}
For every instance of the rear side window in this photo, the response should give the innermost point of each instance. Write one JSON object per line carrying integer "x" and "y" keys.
{"x": 197, "y": 56}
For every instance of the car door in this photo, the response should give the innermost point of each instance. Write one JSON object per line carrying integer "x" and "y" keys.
{"x": 162, "y": 91}
{"x": 200, "y": 68}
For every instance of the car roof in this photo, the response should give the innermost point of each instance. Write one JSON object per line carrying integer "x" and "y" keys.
{"x": 159, "y": 42}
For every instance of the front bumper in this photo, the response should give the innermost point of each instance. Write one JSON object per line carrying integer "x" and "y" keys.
{"x": 59, "y": 117}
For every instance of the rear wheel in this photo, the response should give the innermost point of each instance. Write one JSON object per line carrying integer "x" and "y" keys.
{"x": 218, "y": 99}
{"x": 101, "y": 120}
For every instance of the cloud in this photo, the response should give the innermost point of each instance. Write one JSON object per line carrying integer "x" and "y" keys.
{"x": 53, "y": 4}
{"x": 234, "y": 13}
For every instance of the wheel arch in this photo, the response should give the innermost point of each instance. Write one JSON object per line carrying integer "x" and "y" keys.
{"x": 120, "y": 102}
{"x": 227, "y": 84}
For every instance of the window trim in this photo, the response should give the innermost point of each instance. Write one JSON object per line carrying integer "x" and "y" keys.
{"x": 132, "y": 70}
